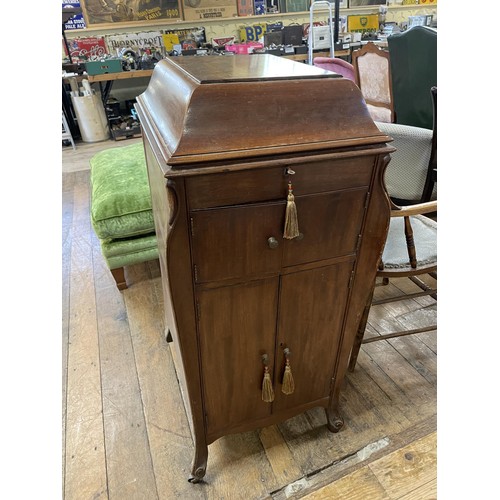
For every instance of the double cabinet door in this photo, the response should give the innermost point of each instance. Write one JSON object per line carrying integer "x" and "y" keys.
{"x": 238, "y": 324}
{"x": 258, "y": 294}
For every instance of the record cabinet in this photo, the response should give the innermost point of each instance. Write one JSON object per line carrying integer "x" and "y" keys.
{"x": 271, "y": 214}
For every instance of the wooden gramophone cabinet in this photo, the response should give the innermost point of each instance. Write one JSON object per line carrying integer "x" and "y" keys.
{"x": 224, "y": 136}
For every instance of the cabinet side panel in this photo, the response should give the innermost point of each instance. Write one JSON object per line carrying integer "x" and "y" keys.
{"x": 173, "y": 245}
{"x": 375, "y": 230}
{"x": 237, "y": 326}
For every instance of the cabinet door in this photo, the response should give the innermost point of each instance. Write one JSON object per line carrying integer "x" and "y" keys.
{"x": 237, "y": 325}
{"x": 234, "y": 242}
{"x": 330, "y": 224}
{"x": 312, "y": 308}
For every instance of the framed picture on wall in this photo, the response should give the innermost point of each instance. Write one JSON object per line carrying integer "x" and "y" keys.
{"x": 115, "y": 12}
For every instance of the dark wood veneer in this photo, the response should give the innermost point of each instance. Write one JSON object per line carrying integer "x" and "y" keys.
{"x": 234, "y": 288}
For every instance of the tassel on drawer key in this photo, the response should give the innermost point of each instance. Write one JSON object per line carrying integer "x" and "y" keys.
{"x": 291, "y": 219}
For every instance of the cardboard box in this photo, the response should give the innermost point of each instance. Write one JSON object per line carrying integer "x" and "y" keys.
{"x": 244, "y": 48}
{"x": 199, "y": 10}
{"x": 424, "y": 20}
{"x": 245, "y": 8}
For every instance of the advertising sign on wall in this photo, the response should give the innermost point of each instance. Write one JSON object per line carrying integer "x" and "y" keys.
{"x": 123, "y": 11}
{"x": 198, "y": 10}
{"x": 134, "y": 41}
{"x": 87, "y": 48}
{"x": 77, "y": 22}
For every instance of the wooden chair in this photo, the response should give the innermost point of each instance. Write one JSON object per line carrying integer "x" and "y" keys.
{"x": 420, "y": 233}
{"x": 372, "y": 73}
{"x": 410, "y": 252}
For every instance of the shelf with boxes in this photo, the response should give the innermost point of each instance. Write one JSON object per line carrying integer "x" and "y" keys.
{"x": 162, "y": 34}
{"x": 99, "y": 39}
{"x": 122, "y": 119}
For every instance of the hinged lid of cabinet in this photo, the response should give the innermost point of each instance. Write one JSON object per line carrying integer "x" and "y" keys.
{"x": 226, "y": 108}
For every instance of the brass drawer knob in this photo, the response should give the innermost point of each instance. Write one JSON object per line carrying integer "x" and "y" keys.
{"x": 272, "y": 242}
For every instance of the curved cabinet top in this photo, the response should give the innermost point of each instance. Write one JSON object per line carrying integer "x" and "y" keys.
{"x": 227, "y": 108}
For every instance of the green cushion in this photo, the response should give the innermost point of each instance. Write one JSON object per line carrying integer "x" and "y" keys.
{"x": 121, "y": 200}
{"x": 119, "y": 253}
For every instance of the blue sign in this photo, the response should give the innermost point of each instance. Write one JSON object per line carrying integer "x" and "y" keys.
{"x": 77, "y": 22}
{"x": 259, "y": 7}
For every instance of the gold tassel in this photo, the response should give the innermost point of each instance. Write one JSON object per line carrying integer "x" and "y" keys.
{"x": 291, "y": 221}
{"x": 288, "y": 383}
{"x": 267, "y": 387}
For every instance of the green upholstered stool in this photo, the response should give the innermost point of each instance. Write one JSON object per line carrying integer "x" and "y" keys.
{"x": 121, "y": 212}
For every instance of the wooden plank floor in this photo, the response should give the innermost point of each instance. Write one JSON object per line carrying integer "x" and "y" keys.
{"x": 125, "y": 433}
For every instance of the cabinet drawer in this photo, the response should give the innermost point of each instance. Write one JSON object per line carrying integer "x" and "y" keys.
{"x": 268, "y": 184}
{"x": 244, "y": 241}
{"x": 330, "y": 226}
{"x": 233, "y": 242}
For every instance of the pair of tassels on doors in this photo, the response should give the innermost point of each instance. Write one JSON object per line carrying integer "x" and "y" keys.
{"x": 288, "y": 385}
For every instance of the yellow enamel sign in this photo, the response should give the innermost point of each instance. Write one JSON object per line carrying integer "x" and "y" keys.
{"x": 362, "y": 23}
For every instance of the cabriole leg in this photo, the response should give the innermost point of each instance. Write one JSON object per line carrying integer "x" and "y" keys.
{"x": 199, "y": 466}
{"x": 334, "y": 420}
